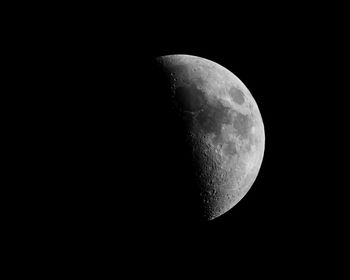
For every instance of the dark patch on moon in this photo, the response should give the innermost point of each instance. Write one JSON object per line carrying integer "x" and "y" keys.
{"x": 179, "y": 72}
{"x": 242, "y": 124}
{"x": 212, "y": 117}
{"x": 197, "y": 80}
{"x": 236, "y": 95}
{"x": 189, "y": 98}
{"x": 230, "y": 148}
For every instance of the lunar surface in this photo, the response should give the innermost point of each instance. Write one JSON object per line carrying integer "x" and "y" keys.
{"x": 223, "y": 128}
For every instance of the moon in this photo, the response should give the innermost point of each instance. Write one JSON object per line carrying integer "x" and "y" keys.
{"x": 223, "y": 128}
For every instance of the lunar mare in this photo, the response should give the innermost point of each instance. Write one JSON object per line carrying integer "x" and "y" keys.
{"x": 225, "y": 129}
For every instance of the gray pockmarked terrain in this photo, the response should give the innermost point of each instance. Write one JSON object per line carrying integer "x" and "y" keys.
{"x": 226, "y": 130}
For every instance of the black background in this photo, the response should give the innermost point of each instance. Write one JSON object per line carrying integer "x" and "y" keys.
{"x": 108, "y": 167}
